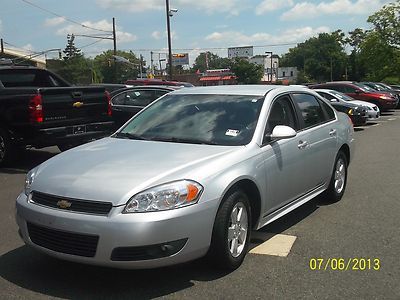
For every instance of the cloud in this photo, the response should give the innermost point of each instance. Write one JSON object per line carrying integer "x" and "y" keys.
{"x": 307, "y": 10}
{"x": 288, "y": 36}
{"x": 122, "y": 36}
{"x": 157, "y": 35}
{"x": 209, "y": 6}
{"x": 50, "y": 22}
{"x": 28, "y": 47}
{"x": 272, "y": 5}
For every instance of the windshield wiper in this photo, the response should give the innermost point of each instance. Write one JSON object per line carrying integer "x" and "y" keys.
{"x": 127, "y": 135}
{"x": 183, "y": 140}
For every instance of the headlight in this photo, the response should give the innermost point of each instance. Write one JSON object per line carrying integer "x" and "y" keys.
{"x": 164, "y": 197}
{"x": 28, "y": 181}
{"x": 385, "y": 97}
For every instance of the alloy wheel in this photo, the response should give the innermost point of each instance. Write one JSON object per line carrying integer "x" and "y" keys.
{"x": 237, "y": 229}
{"x": 340, "y": 176}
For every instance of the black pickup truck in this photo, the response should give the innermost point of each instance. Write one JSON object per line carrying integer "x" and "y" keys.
{"x": 40, "y": 109}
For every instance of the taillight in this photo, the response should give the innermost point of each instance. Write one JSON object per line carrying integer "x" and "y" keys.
{"x": 108, "y": 96}
{"x": 36, "y": 109}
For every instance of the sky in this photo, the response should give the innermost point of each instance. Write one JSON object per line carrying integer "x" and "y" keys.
{"x": 197, "y": 26}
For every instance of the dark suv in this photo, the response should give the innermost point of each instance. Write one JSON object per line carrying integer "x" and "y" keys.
{"x": 383, "y": 100}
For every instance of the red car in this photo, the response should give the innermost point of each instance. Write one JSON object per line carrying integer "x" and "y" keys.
{"x": 146, "y": 81}
{"x": 383, "y": 100}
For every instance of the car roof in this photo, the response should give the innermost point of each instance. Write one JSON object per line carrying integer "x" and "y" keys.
{"x": 253, "y": 90}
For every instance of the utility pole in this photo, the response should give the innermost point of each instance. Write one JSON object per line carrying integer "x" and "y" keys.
{"x": 151, "y": 63}
{"x": 169, "y": 39}
{"x": 331, "y": 70}
{"x": 2, "y": 46}
{"x": 115, "y": 50}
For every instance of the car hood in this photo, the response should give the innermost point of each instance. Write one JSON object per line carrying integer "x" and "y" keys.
{"x": 113, "y": 170}
{"x": 363, "y": 103}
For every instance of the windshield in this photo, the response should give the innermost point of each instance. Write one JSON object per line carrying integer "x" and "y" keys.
{"x": 364, "y": 87}
{"x": 197, "y": 119}
{"x": 341, "y": 96}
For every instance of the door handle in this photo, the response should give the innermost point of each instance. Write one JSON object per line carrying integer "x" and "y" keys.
{"x": 332, "y": 132}
{"x": 302, "y": 144}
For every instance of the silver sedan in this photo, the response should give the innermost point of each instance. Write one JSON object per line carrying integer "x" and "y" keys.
{"x": 190, "y": 175}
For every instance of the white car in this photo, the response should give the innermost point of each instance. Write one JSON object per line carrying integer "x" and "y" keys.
{"x": 373, "y": 111}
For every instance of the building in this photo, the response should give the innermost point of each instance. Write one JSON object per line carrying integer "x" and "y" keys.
{"x": 218, "y": 77}
{"x": 240, "y": 52}
{"x": 288, "y": 74}
{"x": 270, "y": 64}
{"x": 22, "y": 57}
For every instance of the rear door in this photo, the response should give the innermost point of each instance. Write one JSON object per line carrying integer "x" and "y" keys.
{"x": 319, "y": 138}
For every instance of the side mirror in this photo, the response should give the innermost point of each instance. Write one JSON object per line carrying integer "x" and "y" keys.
{"x": 283, "y": 132}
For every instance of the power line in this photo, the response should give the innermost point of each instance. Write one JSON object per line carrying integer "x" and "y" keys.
{"x": 65, "y": 18}
{"x": 91, "y": 43}
{"x": 211, "y": 48}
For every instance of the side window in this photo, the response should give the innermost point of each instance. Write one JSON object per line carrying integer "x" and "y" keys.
{"x": 119, "y": 99}
{"x": 310, "y": 108}
{"x": 281, "y": 113}
{"x": 349, "y": 89}
{"x": 159, "y": 93}
{"x": 328, "y": 110}
{"x": 338, "y": 87}
{"x": 140, "y": 98}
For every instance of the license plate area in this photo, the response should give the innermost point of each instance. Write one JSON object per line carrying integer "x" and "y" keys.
{"x": 79, "y": 129}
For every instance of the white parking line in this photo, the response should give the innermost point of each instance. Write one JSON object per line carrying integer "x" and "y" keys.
{"x": 278, "y": 245}
{"x": 392, "y": 119}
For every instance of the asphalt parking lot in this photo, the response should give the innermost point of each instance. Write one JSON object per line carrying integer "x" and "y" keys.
{"x": 362, "y": 231}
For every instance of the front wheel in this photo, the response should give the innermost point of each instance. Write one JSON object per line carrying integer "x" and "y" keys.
{"x": 231, "y": 232}
{"x": 338, "y": 182}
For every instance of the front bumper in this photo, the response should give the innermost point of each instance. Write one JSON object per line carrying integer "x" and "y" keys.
{"x": 192, "y": 224}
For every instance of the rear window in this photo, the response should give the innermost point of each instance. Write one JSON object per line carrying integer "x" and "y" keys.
{"x": 28, "y": 78}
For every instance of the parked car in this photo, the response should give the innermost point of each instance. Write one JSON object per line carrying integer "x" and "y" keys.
{"x": 384, "y": 88}
{"x": 191, "y": 174}
{"x": 127, "y": 102}
{"x": 146, "y": 81}
{"x": 362, "y": 92}
{"x": 335, "y": 97}
{"x": 112, "y": 87}
{"x": 39, "y": 109}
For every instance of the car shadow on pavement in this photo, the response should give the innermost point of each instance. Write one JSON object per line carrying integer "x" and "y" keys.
{"x": 26, "y": 160}
{"x": 387, "y": 113}
{"x": 39, "y": 273}
{"x": 358, "y": 129}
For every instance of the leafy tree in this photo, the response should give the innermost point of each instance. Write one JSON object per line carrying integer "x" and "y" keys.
{"x": 214, "y": 62}
{"x": 386, "y": 22}
{"x": 320, "y": 58}
{"x": 356, "y": 69}
{"x": 117, "y": 72}
{"x": 246, "y": 72}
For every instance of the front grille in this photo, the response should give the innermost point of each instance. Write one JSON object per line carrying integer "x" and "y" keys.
{"x": 62, "y": 241}
{"x": 77, "y": 205}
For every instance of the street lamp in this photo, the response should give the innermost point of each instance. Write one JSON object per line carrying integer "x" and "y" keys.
{"x": 170, "y": 13}
{"x": 270, "y": 53}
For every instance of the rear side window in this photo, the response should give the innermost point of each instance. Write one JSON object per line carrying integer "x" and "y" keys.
{"x": 137, "y": 97}
{"x": 328, "y": 110}
{"x": 310, "y": 109}
{"x": 28, "y": 78}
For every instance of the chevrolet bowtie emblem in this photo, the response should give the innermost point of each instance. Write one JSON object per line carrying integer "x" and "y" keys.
{"x": 77, "y": 104}
{"x": 64, "y": 204}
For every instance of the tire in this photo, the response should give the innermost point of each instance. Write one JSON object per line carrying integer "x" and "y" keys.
{"x": 338, "y": 182}
{"x": 6, "y": 148}
{"x": 230, "y": 240}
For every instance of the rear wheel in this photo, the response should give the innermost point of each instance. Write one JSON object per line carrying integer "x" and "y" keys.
{"x": 338, "y": 182}
{"x": 231, "y": 232}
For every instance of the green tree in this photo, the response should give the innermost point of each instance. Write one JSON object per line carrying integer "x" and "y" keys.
{"x": 320, "y": 58}
{"x": 214, "y": 62}
{"x": 113, "y": 71}
{"x": 386, "y": 22}
{"x": 354, "y": 39}
{"x": 70, "y": 50}
{"x": 246, "y": 72}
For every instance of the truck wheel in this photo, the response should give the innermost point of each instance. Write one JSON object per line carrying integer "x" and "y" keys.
{"x": 231, "y": 232}
{"x": 6, "y": 148}
{"x": 338, "y": 182}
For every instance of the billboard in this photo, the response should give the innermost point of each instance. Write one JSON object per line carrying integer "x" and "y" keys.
{"x": 180, "y": 59}
{"x": 240, "y": 52}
